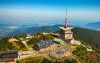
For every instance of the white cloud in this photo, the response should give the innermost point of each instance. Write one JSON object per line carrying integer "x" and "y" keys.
{"x": 13, "y": 27}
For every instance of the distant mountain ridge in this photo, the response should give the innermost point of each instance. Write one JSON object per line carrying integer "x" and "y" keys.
{"x": 43, "y": 29}
{"x": 33, "y": 30}
{"x": 93, "y": 26}
{"x": 7, "y": 32}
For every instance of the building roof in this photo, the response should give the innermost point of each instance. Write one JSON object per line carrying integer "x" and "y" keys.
{"x": 44, "y": 44}
{"x": 11, "y": 51}
{"x": 57, "y": 40}
{"x": 63, "y": 28}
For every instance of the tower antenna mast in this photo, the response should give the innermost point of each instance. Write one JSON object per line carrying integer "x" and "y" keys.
{"x": 66, "y": 12}
{"x": 66, "y": 20}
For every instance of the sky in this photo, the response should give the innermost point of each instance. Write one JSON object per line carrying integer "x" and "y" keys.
{"x": 52, "y": 11}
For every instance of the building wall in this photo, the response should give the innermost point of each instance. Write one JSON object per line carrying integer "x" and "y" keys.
{"x": 66, "y": 34}
{"x": 69, "y": 36}
{"x": 8, "y": 56}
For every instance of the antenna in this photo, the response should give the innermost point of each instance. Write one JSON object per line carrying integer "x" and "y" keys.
{"x": 66, "y": 12}
{"x": 66, "y": 21}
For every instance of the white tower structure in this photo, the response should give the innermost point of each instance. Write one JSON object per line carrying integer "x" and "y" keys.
{"x": 65, "y": 32}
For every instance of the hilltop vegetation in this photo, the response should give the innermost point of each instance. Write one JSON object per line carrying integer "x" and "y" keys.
{"x": 85, "y": 56}
{"x": 5, "y": 44}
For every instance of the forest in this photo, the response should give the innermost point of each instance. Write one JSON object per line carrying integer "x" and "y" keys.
{"x": 88, "y": 37}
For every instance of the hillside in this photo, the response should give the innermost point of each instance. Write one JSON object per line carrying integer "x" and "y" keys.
{"x": 33, "y": 30}
{"x": 88, "y": 37}
{"x": 12, "y": 44}
{"x": 43, "y": 29}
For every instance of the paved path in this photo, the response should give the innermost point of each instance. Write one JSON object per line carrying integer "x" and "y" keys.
{"x": 25, "y": 43}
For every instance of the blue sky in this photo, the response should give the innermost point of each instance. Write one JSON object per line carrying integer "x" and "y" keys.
{"x": 27, "y": 11}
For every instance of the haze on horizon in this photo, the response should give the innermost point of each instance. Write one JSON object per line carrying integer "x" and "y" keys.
{"x": 28, "y": 11}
